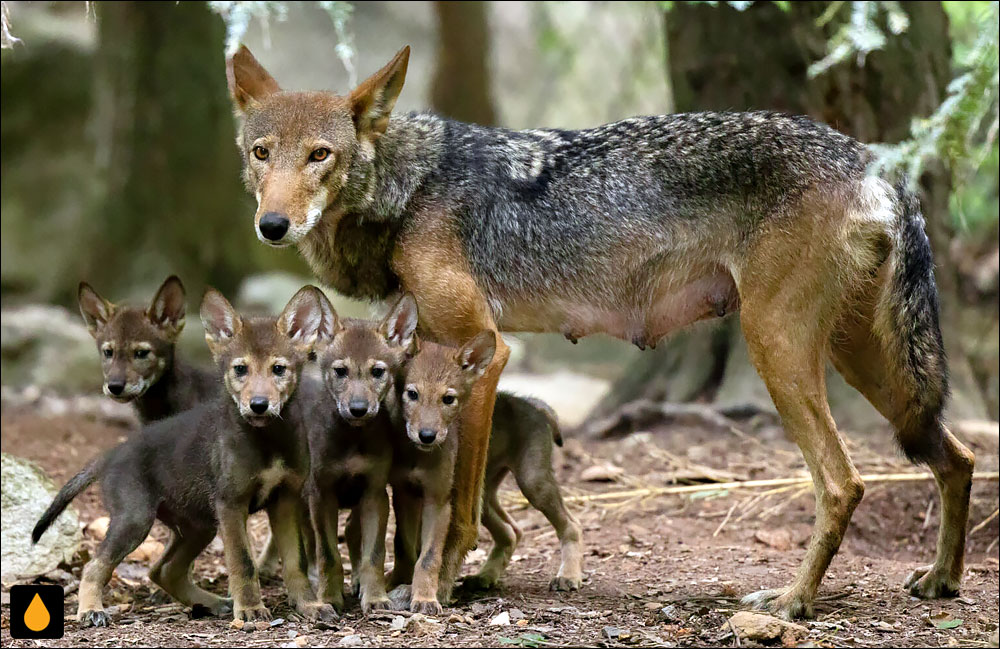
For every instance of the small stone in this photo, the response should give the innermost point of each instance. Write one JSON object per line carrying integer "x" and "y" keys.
{"x": 763, "y": 628}
{"x": 353, "y": 640}
{"x": 399, "y": 623}
{"x": 521, "y": 622}
{"x": 501, "y": 620}
{"x": 236, "y": 624}
{"x": 262, "y": 625}
{"x": 516, "y": 614}
{"x": 278, "y": 621}
{"x": 612, "y": 632}
{"x": 670, "y": 614}
{"x": 301, "y": 641}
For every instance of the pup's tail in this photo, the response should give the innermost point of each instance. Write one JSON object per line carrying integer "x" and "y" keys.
{"x": 907, "y": 322}
{"x": 551, "y": 416}
{"x": 70, "y": 490}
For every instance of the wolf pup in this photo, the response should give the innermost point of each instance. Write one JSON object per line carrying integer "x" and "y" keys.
{"x": 138, "y": 356}
{"x": 351, "y": 454}
{"x": 209, "y": 467}
{"x": 635, "y": 229}
{"x": 437, "y": 382}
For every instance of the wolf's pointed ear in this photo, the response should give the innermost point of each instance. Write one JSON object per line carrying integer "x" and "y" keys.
{"x": 248, "y": 80}
{"x": 372, "y": 101}
{"x": 167, "y": 308}
{"x": 307, "y": 318}
{"x": 221, "y": 321}
{"x": 476, "y": 355}
{"x": 400, "y": 326}
{"x": 96, "y": 311}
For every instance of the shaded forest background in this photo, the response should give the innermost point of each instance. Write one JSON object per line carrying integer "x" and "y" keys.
{"x": 118, "y": 163}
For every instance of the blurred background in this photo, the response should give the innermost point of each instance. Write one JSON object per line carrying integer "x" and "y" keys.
{"x": 118, "y": 164}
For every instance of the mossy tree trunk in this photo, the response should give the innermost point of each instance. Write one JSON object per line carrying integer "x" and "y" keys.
{"x": 724, "y": 59}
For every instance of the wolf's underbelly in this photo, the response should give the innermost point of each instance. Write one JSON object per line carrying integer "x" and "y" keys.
{"x": 642, "y": 318}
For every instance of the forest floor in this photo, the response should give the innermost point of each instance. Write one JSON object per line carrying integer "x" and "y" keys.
{"x": 660, "y": 569}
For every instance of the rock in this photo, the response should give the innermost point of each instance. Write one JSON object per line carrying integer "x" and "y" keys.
{"x": 353, "y": 640}
{"x": 49, "y": 347}
{"x": 236, "y": 625}
{"x": 268, "y": 293}
{"x": 617, "y": 635}
{"x": 262, "y": 625}
{"x": 420, "y": 624}
{"x": 780, "y": 539}
{"x": 764, "y": 628}
{"x": 602, "y": 473}
{"x": 501, "y": 620}
{"x": 278, "y": 621}
{"x": 570, "y": 394}
{"x": 148, "y": 551}
{"x": 516, "y": 614}
{"x": 27, "y": 492}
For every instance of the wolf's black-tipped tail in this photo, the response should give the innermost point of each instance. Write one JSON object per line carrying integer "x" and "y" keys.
{"x": 70, "y": 490}
{"x": 908, "y": 322}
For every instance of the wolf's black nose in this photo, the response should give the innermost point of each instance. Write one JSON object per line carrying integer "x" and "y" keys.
{"x": 427, "y": 435}
{"x": 116, "y": 388}
{"x": 358, "y": 407}
{"x": 273, "y": 226}
{"x": 259, "y": 405}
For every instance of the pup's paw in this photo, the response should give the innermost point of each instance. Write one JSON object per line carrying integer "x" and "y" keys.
{"x": 94, "y": 618}
{"x": 250, "y": 613}
{"x": 480, "y": 581}
{"x": 565, "y": 583}
{"x": 220, "y": 607}
{"x": 318, "y": 611}
{"x": 780, "y": 602}
{"x": 382, "y": 603}
{"x": 426, "y": 606}
{"x": 927, "y": 583}
{"x": 400, "y": 597}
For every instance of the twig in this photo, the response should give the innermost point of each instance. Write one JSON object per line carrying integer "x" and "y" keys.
{"x": 985, "y": 522}
{"x": 724, "y": 521}
{"x": 927, "y": 514}
{"x": 736, "y": 636}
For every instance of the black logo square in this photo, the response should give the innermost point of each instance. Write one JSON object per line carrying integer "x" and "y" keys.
{"x": 36, "y": 612}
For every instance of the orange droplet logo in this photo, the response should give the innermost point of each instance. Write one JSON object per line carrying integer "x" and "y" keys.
{"x": 36, "y": 617}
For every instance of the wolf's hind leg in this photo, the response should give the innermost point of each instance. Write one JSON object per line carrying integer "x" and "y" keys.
{"x": 505, "y": 533}
{"x": 173, "y": 572}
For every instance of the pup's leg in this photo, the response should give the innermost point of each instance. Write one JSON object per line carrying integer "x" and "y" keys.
{"x": 406, "y": 541}
{"x": 433, "y": 532}
{"x": 323, "y": 512}
{"x": 243, "y": 582}
{"x": 537, "y": 482}
{"x": 269, "y": 560}
{"x": 352, "y": 535}
{"x": 369, "y": 564}
{"x": 173, "y": 572}
{"x": 284, "y": 515}
{"x": 505, "y": 533}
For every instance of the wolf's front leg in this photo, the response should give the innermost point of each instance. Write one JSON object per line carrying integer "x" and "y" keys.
{"x": 285, "y": 514}
{"x": 370, "y": 567}
{"x": 323, "y": 513}
{"x": 433, "y": 534}
{"x": 243, "y": 583}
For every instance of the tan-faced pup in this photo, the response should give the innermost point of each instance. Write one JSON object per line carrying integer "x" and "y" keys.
{"x": 209, "y": 467}
{"x": 352, "y": 453}
{"x": 436, "y": 383}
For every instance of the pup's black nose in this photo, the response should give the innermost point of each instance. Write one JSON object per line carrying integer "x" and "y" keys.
{"x": 116, "y": 387}
{"x": 427, "y": 435}
{"x": 358, "y": 407}
{"x": 273, "y": 226}
{"x": 259, "y": 405}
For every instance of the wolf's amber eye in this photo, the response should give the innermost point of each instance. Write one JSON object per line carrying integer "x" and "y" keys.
{"x": 319, "y": 155}
{"x": 378, "y": 372}
{"x": 412, "y": 395}
{"x": 340, "y": 371}
{"x": 108, "y": 352}
{"x": 260, "y": 153}
{"x": 448, "y": 399}
{"x": 278, "y": 370}
{"x": 240, "y": 370}
{"x": 141, "y": 353}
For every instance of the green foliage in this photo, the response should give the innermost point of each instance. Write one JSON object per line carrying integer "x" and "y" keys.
{"x": 860, "y": 34}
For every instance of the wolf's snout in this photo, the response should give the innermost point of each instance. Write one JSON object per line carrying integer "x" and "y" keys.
{"x": 273, "y": 226}
{"x": 358, "y": 407}
{"x": 259, "y": 405}
{"x": 427, "y": 435}
{"x": 116, "y": 387}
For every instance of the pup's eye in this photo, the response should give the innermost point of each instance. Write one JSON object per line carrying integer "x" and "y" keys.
{"x": 448, "y": 399}
{"x": 260, "y": 153}
{"x": 108, "y": 352}
{"x": 240, "y": 370}
{"x": 278, "y": 370}
{"x": 319, "y": 155}
{"x": 340, "y": 371}
{"x": 412, "y": 395}
{"x": 141, "y": 353}
{"x": 378, "y": 372}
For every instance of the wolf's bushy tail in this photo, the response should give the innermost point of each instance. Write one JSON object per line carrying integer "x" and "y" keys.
{"x": 551, "y": 416}
{"x": 907, "y": 321}
{"x": 70, "y": 490}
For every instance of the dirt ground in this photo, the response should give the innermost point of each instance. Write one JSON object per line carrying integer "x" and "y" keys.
{"x": 661, "y": 569}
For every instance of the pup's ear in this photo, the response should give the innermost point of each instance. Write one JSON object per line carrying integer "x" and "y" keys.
{"x": 476, "y": 355}
{"x": 372, "y": 101}
{"x": 167, "y": 308}
{"x": 96, "y": 311}
{"x": 400, "y": 326}
{"x": 248, "y": 81}
{"x": 221, "y": 321}
{"x": 308, "y": 317}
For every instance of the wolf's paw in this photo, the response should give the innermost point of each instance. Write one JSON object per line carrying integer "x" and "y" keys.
{"x": 220, "y": 607}
{"x": 355, "y": 586}
{"x": 400, "y": 597}
{"x": 565, "y": 583}
{"x": 377, "y": 604}
{"x": 94, "y": 618}
{"x": 780, "y": 602}
{"x": 317, "y": 611}
{"x": 927, "y": 583}
{"x": 250, "y": 613}
{"x": 480, "y": 581}
{"x": 426, "y": 606}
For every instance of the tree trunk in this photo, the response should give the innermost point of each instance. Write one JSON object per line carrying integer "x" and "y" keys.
{"x": 724, "y": 59}
{"x": 171, "y": 199}
{"x": 461, "y": 85}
